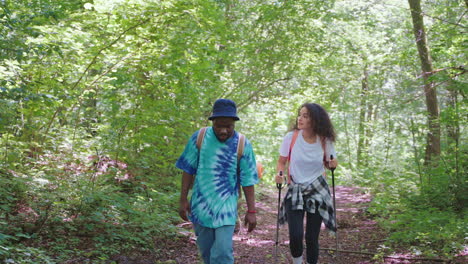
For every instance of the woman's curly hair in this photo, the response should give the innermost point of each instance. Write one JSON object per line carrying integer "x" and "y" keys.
{"x": 321, "y": 123}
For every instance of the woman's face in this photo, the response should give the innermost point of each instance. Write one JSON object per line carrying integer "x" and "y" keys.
{"x": 303, "y": 120}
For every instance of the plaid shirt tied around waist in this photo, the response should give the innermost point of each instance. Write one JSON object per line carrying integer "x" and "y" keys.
{"x": 304, "y": 197}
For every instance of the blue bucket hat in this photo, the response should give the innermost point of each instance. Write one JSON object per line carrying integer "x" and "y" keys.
{"x": 224, "y": 108}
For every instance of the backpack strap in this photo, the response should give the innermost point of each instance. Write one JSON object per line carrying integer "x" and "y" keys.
{"x": 200, "y": 137}
{"x": 240, "y": 146}
{"x": 240, "y": 152}
{"x": 293, "y": 141}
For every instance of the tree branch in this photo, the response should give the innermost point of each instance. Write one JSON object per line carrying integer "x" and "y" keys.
{"x": 459, "y": 68}
{"x": 106, "y": 47}
{"x": 243, "y": 104}
{"x": 433, "y": 17}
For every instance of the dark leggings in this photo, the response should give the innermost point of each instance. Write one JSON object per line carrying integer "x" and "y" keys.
{"x": 296, "y": 232}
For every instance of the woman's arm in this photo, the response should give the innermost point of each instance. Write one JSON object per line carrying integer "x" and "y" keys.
{"x": 280, "y": 166}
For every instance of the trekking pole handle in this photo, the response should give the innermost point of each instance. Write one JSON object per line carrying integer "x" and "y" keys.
{"x": 279, "y": 185}
{"x": 331, "y": 158}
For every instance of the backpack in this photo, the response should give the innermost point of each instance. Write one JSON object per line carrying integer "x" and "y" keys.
{"x": 293, "y": 141}
{"x": 240, "y": 150}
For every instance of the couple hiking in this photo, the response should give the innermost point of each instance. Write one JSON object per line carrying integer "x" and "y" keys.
{"x": 218, "y": 161}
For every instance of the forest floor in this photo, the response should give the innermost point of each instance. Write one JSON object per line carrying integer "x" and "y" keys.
{"x": 360, "y": 238}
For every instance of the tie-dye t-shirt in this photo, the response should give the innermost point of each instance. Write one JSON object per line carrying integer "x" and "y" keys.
{"x": 215, "y": 190}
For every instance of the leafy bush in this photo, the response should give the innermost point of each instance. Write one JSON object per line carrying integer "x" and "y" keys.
{"x": 24, "y": 255}
{"x": 430, "y": 230}
{"x": 414, "y": 222}
{"x": 70, "y": 205}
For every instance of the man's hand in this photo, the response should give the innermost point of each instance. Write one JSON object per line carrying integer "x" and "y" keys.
{"x": 184, "y": 205}
{"x": 332, "y": 164}
{"x": 184, "y": 209}
{"x": 251, "y": 220}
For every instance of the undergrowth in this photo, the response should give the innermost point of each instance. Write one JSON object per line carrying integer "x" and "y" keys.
{"x": 57, "y": 210}
{"x": 421, "y": 221}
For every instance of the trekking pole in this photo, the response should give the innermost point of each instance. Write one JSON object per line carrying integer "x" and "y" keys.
{"x": 334, "y": 205}
{"x": 278, "y": 185}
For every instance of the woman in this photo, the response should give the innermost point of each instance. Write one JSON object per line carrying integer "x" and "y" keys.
{"x": 307, "y": 150}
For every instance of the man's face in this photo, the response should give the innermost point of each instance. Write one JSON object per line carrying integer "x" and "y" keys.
{"x": 223, "y": 128}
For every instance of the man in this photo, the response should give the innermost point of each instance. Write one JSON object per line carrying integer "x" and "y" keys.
{"x": 213, "y": 169}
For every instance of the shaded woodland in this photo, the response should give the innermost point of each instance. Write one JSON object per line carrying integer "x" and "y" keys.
{"x": 98, "y": 98}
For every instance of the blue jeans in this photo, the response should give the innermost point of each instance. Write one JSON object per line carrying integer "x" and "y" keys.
{"x": 215, "y": 244}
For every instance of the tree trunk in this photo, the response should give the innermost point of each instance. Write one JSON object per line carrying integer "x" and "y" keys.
{"x": 433, "y": 135}
{"x": 362, "y": 119}
{"x": 413, "y": 130}
{"x": 453, "y": 126}
{"x": 458, "y": 188}
{"x": 368, "y": 125}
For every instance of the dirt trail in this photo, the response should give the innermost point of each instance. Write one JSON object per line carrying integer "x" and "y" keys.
{"x": 356, "y": 232}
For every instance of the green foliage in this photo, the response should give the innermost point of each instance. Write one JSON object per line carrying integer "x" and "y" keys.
{"x": 431, "y": 231}
{"x": 71, "y": 198}
{"x": 124, "y": 84}
{"x": 427, "y": 220}
{"x": 24, "y": 255}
